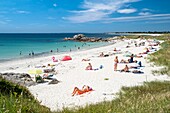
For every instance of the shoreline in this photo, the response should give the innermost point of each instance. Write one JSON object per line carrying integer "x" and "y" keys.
{"x": 48, "y": 53}
{"x": 73, "y": 74}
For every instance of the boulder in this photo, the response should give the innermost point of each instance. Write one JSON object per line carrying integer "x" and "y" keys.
{"x": 54, "y": 81}
{"x": 83, "y": 38}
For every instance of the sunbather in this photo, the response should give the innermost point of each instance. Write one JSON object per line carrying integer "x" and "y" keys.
{"x": 85, "y": 59}
{"x": 84, "y": 89}
{"x": 101, "y": 55}
{"x": 89, "y": 67}
{"x": 115, "y": 49}
{"x": 126, "y": 69}
{"x": 124, "y": 61}
{"x": 146, "y": 50}
{"x": 131, "y": 59}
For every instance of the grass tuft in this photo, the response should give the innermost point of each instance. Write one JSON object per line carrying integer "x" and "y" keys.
{"x": 162, "y": 58}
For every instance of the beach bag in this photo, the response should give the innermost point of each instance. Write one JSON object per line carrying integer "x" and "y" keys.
{"x": 140, "y": 63}
{"x": 39, "y": 79}
{"x": 137, "y": 72}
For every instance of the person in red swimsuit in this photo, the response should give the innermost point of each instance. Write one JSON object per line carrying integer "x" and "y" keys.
{"x": 84, "y": 89}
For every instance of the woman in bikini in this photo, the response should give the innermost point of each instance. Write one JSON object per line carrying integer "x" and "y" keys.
{"x": 89, "y": 67}
{"x": 116, "y": 61}
{"x": 84, "y": 89}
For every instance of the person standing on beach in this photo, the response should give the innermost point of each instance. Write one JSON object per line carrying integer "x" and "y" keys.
{"x": 32, "y": 53}
{"x": 116, "y": 61}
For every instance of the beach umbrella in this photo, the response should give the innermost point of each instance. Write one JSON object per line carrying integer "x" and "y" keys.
{"x": 35, "y": 71}
{"x": 66, "y": 58}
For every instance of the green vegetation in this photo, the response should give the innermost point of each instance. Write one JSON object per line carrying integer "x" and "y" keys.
{"x": 17, "y": 99}
{"x": 162, "y": 58}
{"x": 153, "y": 97}
{"x": 161, "y": 37}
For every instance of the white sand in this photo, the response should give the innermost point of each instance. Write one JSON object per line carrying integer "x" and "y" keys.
{"x": 73, "y": 74}
{"x": 145, "y": 34}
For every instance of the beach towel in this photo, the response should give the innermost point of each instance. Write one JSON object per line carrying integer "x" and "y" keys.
{"x": 137, "y": 72}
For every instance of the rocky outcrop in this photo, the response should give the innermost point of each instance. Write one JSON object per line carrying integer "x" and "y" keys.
{"x": 83, "y": 38}
{"x": 23, "y": 79}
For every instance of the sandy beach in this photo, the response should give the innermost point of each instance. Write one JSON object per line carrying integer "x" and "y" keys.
{"x": 105, "y": 81}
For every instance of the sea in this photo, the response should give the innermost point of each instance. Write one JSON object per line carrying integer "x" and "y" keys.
{"x": 25, "y": 45}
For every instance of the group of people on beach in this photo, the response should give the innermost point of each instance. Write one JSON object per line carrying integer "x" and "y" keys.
{"x": 116, "y": 61}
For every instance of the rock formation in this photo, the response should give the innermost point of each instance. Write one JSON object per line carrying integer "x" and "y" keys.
{"x": 83, "y": 38}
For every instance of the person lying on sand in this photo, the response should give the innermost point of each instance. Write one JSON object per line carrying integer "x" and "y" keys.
{"x": 84, "y": 89}
{"x": 136, "y": 64}
{"x": 124, "y": 61}
{"x": 129, "y": 60}
{"x": 103, "y": 55}
{"x": 85, "y": 59}
{"x": 146, "y": 50}
{"x": 126, "y": 69}
{"x": 116, "y": 49}
{"x": 89, "y": 67}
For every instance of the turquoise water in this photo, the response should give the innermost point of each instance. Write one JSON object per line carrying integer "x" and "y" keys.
{"x": 21, "y": 45}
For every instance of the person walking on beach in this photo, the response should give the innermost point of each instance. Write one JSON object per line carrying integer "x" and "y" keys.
{"x": 116, "y": 61}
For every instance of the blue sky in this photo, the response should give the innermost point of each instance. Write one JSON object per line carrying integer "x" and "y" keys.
{"x": 62, "y": 16}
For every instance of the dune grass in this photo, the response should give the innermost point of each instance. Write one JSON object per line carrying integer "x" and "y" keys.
{"x": 162, "y": 58}
{"x": 161, "y": 37}
{"x": 17, "y": 99}
{"x": 153, "y": 97}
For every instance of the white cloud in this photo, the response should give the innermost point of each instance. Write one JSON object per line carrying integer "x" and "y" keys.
{"x": 22, "y": 12}
{"x": 127, "y": 11}
{"x": 55, "y": 5}
{"x": 146, "y": 9}
{"x": 144, "y": 13}
{"x": 140, "y": 18}
{"x": 96, "y": 10}
{"x": 159, "y": 22}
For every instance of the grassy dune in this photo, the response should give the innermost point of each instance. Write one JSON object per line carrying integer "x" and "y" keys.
{"x": 17, "y": 99}
{"x": 162, "y": 58}
{"x": 153, "y": 97}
